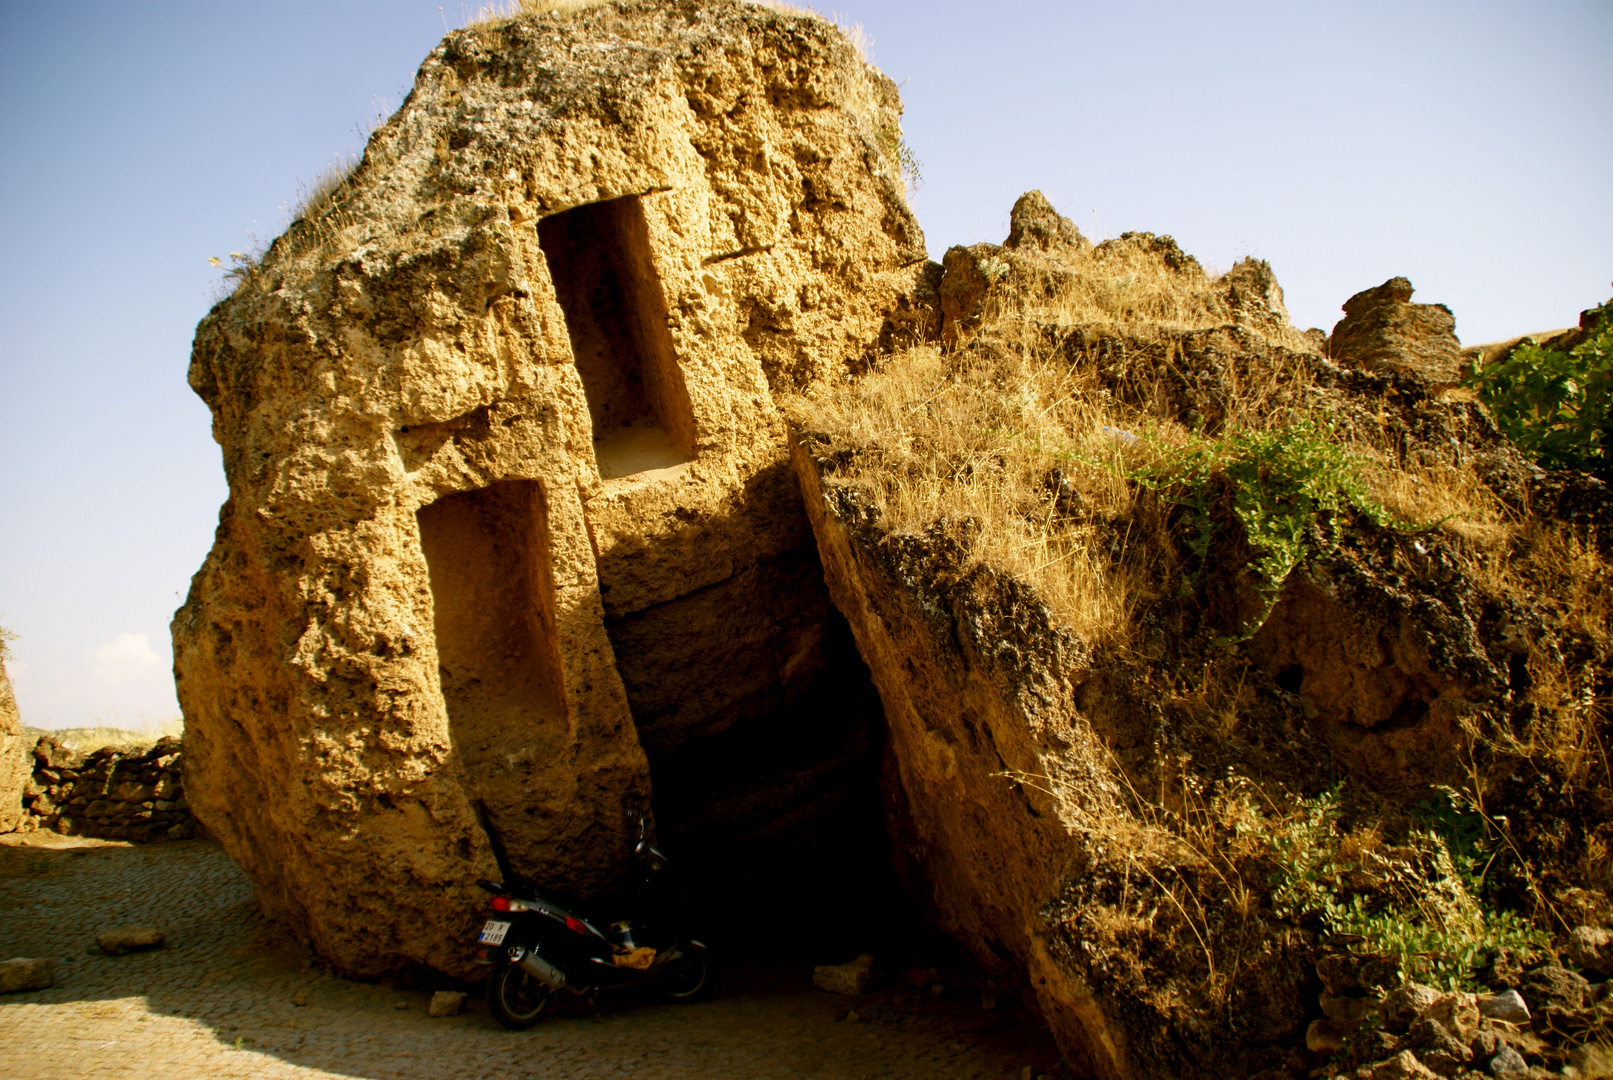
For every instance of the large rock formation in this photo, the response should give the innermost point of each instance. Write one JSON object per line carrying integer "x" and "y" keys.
{"x": 16, "y": 763}
{"x": 510, "y": 504}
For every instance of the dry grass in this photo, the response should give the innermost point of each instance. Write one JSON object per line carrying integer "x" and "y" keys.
{"x": 982, "y": 439}
{"x": 1026, "y": 437}
{"x": 1566, "y": 574}
{"x": 504, "y": 10}
{"x": 316, "y": 196}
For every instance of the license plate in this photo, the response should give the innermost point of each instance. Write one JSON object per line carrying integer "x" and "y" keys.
{"x": 493, "y": 933}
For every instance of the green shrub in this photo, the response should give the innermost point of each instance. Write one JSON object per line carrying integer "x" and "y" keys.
{"x": 1284, "y": 481}
{"x": 1557, "y": 407}
{"x": 1419, "y": 904}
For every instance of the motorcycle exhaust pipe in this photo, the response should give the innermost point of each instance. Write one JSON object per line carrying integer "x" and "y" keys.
{"x": 541, "y": 970}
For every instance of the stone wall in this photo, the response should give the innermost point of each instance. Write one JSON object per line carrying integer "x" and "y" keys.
{"x": 112, "y": 793}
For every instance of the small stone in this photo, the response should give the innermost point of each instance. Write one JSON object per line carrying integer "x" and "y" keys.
{"x": 1371, "y": 1044}
{"x": 1593, "y": 1060}
{"x": 1549, "y": 986}
{"x": 1457, "y": 1012}
{"x": 25, "y": 974}
{"x": 1507, "y": 1005}
{"x": 850, "y": 978}
{"x": 1484, "y": 1045}
{"x": 851, "y": 1016}
{"x": 1406, "y": 1003}
{"x": 126, "y": 939}
{"x": 1346, "y": 1010}
{"x": 1324, "y": 1037}
{"x": 1403, "y": 1066}
{"x": 936, "y": 989}
{"x": 446, "y": 1003}
{"x": 400, "y": 1004}
{"x": 299, "y": 999}
{"x": 988, "y": 1002}
{"x": 1590, "y": 948}
{"x": 1436, "y": 1046}
{"x": 1508, "y": 1064}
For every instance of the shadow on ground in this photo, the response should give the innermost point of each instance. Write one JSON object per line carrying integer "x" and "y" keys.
{"x": 233, "y": 996}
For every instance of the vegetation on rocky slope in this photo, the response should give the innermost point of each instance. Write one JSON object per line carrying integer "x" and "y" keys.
{"x": 1555, "y": 400}
{"x": 1351, "y": 646}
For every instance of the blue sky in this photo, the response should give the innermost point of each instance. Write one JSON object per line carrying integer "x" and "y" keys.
{"x": 1468, "y": 146}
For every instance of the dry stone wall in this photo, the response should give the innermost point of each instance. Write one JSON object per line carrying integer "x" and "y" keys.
{"x": 111, "y": 793}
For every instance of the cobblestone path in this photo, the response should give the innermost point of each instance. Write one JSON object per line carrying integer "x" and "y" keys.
{"x": 232, "y": 997}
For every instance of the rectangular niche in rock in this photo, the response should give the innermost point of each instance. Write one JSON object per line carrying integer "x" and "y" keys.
{"x": 492, "y": 592}
{"x": 599, "y": 258}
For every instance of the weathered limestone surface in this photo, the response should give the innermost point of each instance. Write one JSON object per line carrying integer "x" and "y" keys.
{"x": 505, "y": 469}
{"x": 16, "y": 764}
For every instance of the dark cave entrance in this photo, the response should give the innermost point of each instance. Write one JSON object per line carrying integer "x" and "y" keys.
{"x": 775, "y": 808}
{"x": 605, "y": 280}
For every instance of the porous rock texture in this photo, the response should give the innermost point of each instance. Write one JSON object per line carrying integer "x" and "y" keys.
{"x": 510, "y": 503}
{"x": 16, "y": 763}
{"x": 1384, "y": 332}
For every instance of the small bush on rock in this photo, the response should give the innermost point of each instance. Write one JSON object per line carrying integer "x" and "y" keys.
{"x": 1418, "y": 903}
{"x": 1556, "y": 406}
{"x": 1286, "y": 482}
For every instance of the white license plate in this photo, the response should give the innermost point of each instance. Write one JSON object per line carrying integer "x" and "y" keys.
{"x": 493, "y": 933}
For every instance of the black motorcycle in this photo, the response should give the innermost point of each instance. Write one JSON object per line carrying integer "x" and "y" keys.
{"x": 539, "y": 947}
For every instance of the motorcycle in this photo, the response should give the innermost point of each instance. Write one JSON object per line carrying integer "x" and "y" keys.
{"x": 540, "y": 947}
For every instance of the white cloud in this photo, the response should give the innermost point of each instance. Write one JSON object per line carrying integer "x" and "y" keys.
{"x": 126, "y": 660}
{"x": 123, "y": 682}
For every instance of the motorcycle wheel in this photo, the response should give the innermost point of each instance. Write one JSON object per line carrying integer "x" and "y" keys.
{"x": 686, "y": 977}
{"x": 517, "y": 999}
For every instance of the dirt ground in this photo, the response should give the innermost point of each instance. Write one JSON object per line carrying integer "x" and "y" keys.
{"x": 231, "y": 996}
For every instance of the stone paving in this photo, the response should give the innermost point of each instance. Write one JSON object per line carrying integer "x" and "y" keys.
{"x": 232, "y": 997}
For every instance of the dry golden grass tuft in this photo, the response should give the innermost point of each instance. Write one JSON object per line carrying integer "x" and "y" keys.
{"x": 1020, "y": 432}
{"x": 1007, "y": 442}
{"x": 1563, "y": 569}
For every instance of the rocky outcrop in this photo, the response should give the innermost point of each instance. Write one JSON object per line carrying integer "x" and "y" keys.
{"x": 995, "y": 764}
{"x": 1073, "y": 782}
{"x": 14, "y": 762}
{"x": 113, "y": 793}
{"x": 1385, "y": 333}
{"x": 511, "y": 524}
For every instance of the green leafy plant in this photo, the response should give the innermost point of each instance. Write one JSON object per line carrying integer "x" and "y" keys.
{"x": 1284, "y": 481}
{"x": 1556, "y": 406}
{"x": 1419, "y": 905}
